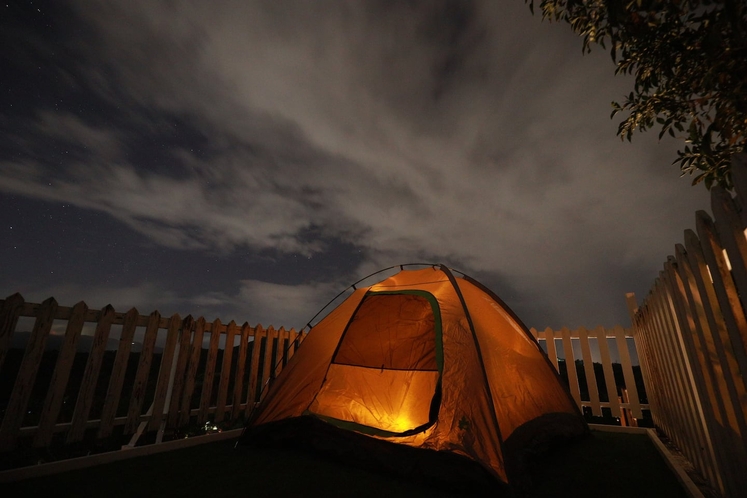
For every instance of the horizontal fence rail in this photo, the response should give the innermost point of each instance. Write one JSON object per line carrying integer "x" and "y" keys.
{"x": 82, "y": 371}
{"x": 692, "y": 332}
{"x": 604, "y": 382}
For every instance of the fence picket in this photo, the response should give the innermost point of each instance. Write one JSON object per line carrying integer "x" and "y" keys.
{"x": 189, "y": 380}
{"x": 56, "y": 391}
{"x": 239, "y": 376}
{"x": 650, "y": 369}
{"x": 269, "y": 362}
{"x": 116, "y": 380}
{"x": 729, "y": 413}
{"x": 654, "y": 388}
{"x": 282, "y": 340}
{"x": 140, "y": 384}
{"x": 731, "y": 235}
{"x": 21, "y": 393}
{"x": 672, "y": 391}
{"x": 591, "y": 378}
{"x": 225, "y": 373}
{"x": 9, "y": 313}
{"x": 709, "y": 406}
{"x": 692, "y": 444}
{"x": 185, "y": 352}
{"x": 666, "y": 393}
{"x": 703, "y": 451}
{"x": 726, "y": 292}
{"x": 550, "y": 345}
{"x": 207, "y": 383}
{"x": 726, "y": 369}
{"x": 174, "y": 385}
{"x": 293, "y": 338}
{"x": 691, "y": 337}
{"x": 84, "y": 402}
{"x": 609, "y": 375}
{"x": 570, "y": 365}
{"x": 627, "y": 368}
{"x": 251, "y": 388}
{"x": 164, "y": 372}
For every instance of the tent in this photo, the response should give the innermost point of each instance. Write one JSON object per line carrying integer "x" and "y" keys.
{"x": 424, "y": 359}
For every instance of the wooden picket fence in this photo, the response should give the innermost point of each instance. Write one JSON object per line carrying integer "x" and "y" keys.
{"x": 189, "y": 351}
{"x": 623, "y": 398}
{"x": 692, "y": 335}
{"x": 231, "y": 376}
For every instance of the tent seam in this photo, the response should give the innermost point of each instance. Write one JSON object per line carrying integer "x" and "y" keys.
{"x": 479, "y": 356}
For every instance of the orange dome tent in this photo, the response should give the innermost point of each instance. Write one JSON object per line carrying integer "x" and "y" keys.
{"x": 424, "y": 359}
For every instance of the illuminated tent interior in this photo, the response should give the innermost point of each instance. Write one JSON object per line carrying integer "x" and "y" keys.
{"x": 424, "y": 359}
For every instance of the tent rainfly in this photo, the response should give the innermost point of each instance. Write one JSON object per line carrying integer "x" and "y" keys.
{"x": 427, "y": 360}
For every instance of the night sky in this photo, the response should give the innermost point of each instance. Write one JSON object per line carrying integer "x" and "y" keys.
{"x": 248, "y": 160}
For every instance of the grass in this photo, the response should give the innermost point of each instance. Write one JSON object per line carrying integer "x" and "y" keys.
{"x": 603, "y": 465}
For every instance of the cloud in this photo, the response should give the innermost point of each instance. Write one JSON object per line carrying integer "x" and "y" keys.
{"x": 72, "y": 130}
{"x": 146, "y": 297}
{"x": 464, "y": 132}
{"x": 266, "y": 303}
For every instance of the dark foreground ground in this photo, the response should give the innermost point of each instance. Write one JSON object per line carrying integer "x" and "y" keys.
{"x": 604, "y": 465}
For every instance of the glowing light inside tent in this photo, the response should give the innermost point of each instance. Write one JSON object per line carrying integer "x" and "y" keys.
{"x": 401, "y": 424}
{"x": 389, "y": 400}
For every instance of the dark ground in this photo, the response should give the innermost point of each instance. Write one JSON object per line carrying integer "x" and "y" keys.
{"x": 604, "y": 465}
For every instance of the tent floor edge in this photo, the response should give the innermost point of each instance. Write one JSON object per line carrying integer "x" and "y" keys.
{"x": 440, "y": 469}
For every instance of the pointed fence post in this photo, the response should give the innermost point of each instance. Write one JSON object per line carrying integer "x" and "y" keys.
{"x": 238, "y": 386}
{"x": 269, "y": 361}
{"x": 164, "y": 373}
{"x": 189, "y": 383}
{"x": 91, "y": 375}
{"x": 280, "y": 352}
{"x": 207, "y": 383}
{"x": 9, "y": 313}
{"x": 225, "y": 373}
{"x": 609, "y": 374}
{"x": 591, "y": 378}
{"x": 552, "y": 352}
{"x": 137, "y": 398}
{"x": 725, "y": 290}
{"x": 251, "y": 388}
{"x": 116, "y": 381}
{"x": 19, "y": 397}
{"x": 61, "y": 375}
{"x": 570, "y": 366}
{"x": 293, "y": 345}
{"x": 185, "y": 351}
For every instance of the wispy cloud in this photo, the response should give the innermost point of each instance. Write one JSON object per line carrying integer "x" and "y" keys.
{"x": 270, "y": 303}
{"x": 464, "y": 132}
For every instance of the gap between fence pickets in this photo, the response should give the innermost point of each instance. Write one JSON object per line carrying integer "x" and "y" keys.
{"x": 689, "y": 486}
{"x": 112, "y": 456}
